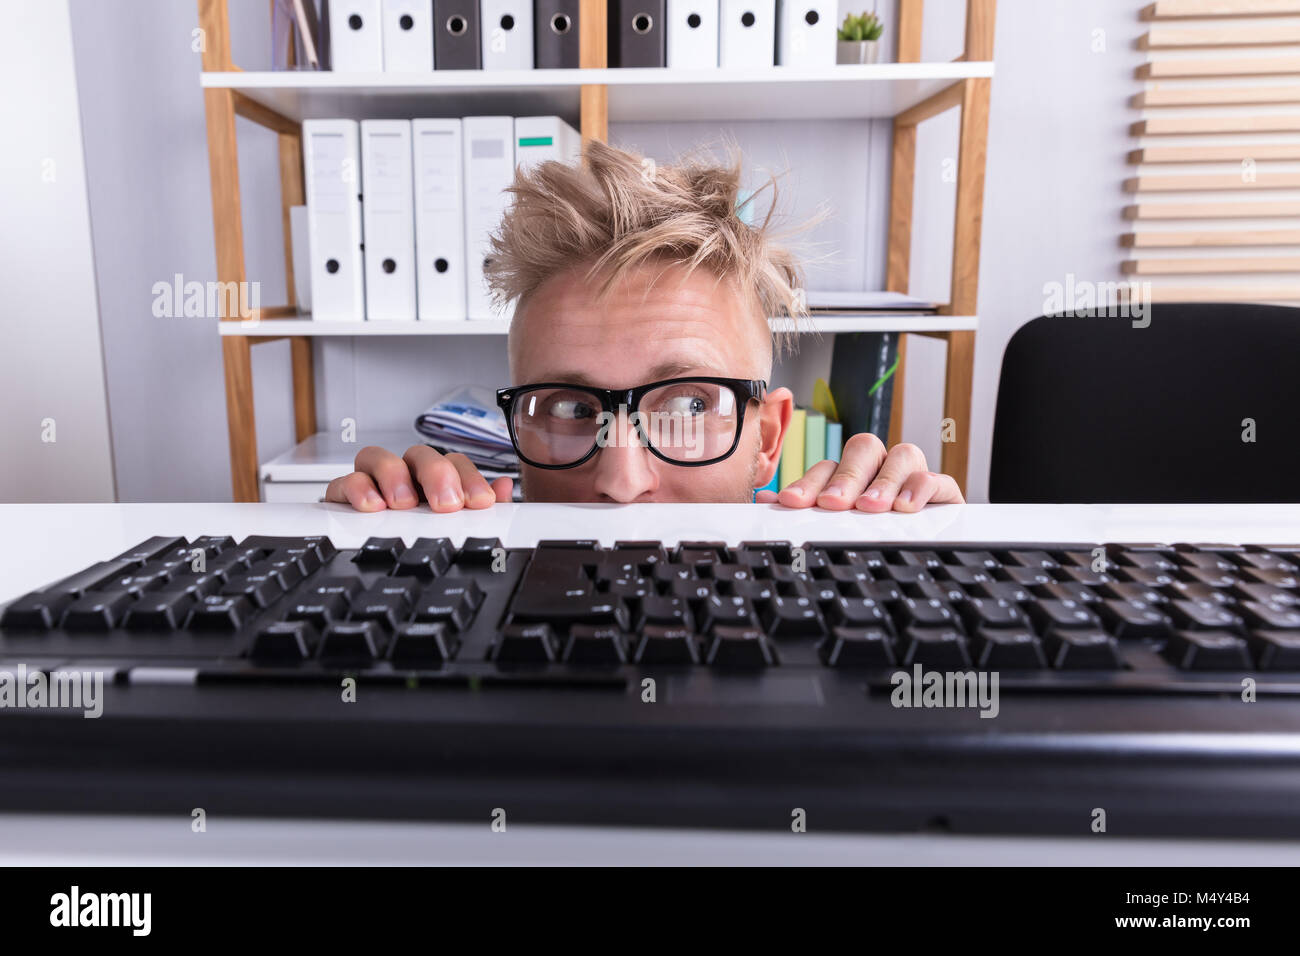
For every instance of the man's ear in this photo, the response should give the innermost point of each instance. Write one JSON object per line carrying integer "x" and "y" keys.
{"x": 773, "y": 419}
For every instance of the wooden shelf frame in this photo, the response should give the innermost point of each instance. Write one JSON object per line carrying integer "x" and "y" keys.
{"x": 222, "y": 104}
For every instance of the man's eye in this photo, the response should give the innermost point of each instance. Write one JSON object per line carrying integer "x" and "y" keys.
{"x": 571, "y": 410}
{"x": 685, "y": 405}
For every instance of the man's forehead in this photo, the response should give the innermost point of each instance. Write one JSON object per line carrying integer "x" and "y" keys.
{"x": 653, "y": 326}
{"x": 672, "y": 368}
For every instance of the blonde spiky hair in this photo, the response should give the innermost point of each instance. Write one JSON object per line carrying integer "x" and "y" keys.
{"x": 618, "y": 211}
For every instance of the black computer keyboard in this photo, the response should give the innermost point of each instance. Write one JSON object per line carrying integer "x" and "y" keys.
{"x": 701, "y": 683}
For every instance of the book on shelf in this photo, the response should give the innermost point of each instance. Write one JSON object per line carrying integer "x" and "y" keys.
{"x": 862, "y": 380}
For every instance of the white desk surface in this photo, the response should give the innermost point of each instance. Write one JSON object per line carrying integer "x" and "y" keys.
{"x": 40, "y": 543}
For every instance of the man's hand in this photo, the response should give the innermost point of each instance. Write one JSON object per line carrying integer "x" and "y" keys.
{"x": 447, "y": 482}
{"x": 870, "y": 479}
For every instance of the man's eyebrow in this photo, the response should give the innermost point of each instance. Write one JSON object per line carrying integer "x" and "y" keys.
{"x": 661, "y": 371}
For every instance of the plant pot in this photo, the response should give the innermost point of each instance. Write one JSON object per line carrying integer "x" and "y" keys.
{"x": 857, "y": 51}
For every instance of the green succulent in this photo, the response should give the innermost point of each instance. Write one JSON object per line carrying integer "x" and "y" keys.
{"x": 865, "y": 26}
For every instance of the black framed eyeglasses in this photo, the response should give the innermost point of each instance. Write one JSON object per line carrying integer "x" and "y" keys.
{"x": 693, "y": 421}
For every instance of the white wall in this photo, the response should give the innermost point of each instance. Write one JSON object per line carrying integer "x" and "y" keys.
{"x": 51, "y": 365}
{"x": 151, "y": 211}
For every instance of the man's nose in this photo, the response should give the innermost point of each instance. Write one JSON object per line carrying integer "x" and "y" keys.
{"x": 623, "y": 467}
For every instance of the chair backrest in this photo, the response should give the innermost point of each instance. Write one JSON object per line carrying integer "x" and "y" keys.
{"x": 1201, "y": 405}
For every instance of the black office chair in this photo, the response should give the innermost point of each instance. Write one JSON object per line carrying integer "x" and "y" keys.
{"x": 1091, "y": 409}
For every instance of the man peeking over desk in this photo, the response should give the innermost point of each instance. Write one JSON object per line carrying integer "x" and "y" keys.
{"x": 641, "y": 353}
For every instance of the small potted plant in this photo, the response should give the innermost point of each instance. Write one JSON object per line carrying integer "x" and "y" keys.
{"x": 859, "y": 38}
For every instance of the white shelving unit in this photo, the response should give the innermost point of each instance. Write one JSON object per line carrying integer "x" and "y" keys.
{"x": 874, "y": 91}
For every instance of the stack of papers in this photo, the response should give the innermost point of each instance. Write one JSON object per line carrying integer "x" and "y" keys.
{"x": 467, "y": 420}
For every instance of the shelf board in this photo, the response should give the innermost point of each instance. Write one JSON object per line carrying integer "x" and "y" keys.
{"x": 900, "y": 322}
{"x": 777, "y": 92}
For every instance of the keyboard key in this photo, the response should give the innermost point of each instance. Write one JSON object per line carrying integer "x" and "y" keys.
{"x": 344, "y": 586}
{"x": 422, "y": 563}
{"x": 560, "y": 544}
{"x": 1207, "y": 651}
{"x": 97, "y": 611}
{"x": 353, "y": 643}
{"x": 1288, "y": 580}
{"x": 452, "y": 609}
{"x": 288, "y": 642}
{"x": 221, "y": 613}
{"x": 1027, "y": 577}
{"x": 1007, "y": 649}
{"x": 1081, "y": 649}
{"x": 212, "y": 543}
{"x": 726, "y": 612}
{"x": 305, "y": 559}
{"x": 1258, "y": 614}
{"x": 1249, "y": 591}
{"x": 320, "y": 610}
{"x": 1133, "y": 620}
{"x": 452, "y": 588}
{"x": 707, "y": 551}
{"x": 387, "y": 610}
{"x": 739, "y": 648}
{"x": 630, "y": 591}
{"x": 1198, "y": 592}
{"x": 645, "y": 554}
{"x": 94, "y": 577}
{"x": 526, "y": 644}
{"x": 1129, "y": 591}
{"x": 423, "y": 644}
{"x": 975, "y": 559}
{"x": 1147, "y": 577}
{"x": 666, "y": 646}
{"x": 935, "y": 648}
{"x": 1276, "y": 650}
{"x": 151, "y": 548}
{"x": 694, "y": 592}
{"x": 779, "y": 550}
{"x": 267, "y": 543}
{"x": 1001, "y": 591}
{"x": 991, "y": 612}
{"x": 380, "y": 552}
{"x": 1264, "y": 561}
{"x": 797, "y": 617}
{"x": 1064, "y": 614}
{"x": 1067, "y": 591}
{"x": 857, "y": 647}
{"x": 756, "y": 592}
{"x": 260, "y": 589}
{"x": 477, "y": 552}
{"x": 1197, "y": 616}
{"x": 39, "y": 612}
{"x": 200, "y": 585}
{"x": 404, "y": 588}
{"x": 858, "y": 613}
{"x": 160, "y": 611}
{"x": 946, "y": 592}
{"x": 1213, "y": 577}
{"x": 280, "y": 566}
{"x": 595, "y": 646}
{"x": 1040, "y": 560}
{"x": 662, "y": 611}
{"x": 925, "y": 613}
